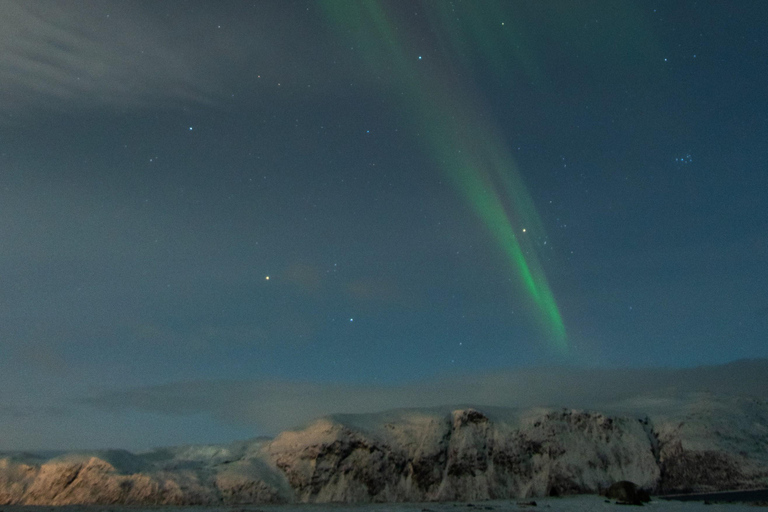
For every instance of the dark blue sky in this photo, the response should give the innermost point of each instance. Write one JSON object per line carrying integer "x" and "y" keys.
{"x": 160, "y": 160}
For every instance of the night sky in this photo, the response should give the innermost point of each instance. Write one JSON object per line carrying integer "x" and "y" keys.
{"x": 252, "y": 202}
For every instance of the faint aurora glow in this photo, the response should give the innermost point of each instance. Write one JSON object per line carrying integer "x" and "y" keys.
{"x": 461, "y": 139}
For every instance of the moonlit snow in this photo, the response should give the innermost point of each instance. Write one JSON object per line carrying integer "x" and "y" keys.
{"x": 568, "y": 504}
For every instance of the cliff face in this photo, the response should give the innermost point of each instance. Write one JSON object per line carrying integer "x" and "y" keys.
{"x": 93, "y": 480}
{"x": 709, "y": 444}
{"x": 702, "y": 443}
{"x": 465, "y": 456}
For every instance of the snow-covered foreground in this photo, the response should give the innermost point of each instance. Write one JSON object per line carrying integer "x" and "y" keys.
{"x": 567, "y": 504}
{"x": 584, "y": 503}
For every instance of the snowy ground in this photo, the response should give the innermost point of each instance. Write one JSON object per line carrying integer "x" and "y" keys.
{"x": 570, "y": 504}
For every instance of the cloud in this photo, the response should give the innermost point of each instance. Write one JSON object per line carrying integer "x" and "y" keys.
{"x": 56, "y": 53}
{"x": 306, "y": 276}
{"x": 272, "y": 406}
{"x": 380, "y": 291}
{"x": 68, "y": 56}
{"x": 17, "y": 412}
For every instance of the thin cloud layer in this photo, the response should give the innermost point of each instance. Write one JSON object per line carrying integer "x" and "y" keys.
{"x": 56, "y": 53}
{"x": 271, "y": 406}
{"x": 74, "y": 55}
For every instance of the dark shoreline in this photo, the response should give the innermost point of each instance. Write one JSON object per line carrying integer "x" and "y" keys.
{"x": 721, "y": 497}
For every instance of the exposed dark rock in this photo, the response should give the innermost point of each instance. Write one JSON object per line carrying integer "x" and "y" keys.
{"x": 684, "y": 471}
{"x": 627, "y": 493}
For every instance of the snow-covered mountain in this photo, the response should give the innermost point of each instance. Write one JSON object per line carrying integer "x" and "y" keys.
{"x": 664, "y": 442}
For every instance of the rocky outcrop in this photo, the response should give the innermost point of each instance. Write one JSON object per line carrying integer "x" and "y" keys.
{"x": 100, "y": 479}
{"x": 627, "y": 493}
{"x": 422, "y": 455}
{"x": 466, "y": 456}
{"x": 713, "y": 443}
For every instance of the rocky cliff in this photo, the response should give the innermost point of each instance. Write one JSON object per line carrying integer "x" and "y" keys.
{"x": 700, "y": 442}
{"x": 466, "y": 455}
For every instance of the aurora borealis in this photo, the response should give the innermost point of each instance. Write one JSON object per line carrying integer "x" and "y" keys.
{"x": 462, "y": 142}
{"x": 219, "y": 216}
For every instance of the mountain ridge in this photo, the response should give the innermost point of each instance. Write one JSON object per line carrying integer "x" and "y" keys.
{"x": 673, "y": 442}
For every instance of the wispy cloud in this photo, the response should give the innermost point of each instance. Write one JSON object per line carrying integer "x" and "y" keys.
{"x": 56, "y": 53}
{"x": 272, "y": 406}
{"x": 74, "y": 55}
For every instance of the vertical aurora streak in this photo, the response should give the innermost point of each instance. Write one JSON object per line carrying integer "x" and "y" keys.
{"x": 461, "y": 137}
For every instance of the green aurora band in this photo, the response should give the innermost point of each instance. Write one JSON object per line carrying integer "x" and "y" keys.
{"x": 460, "y": 135}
